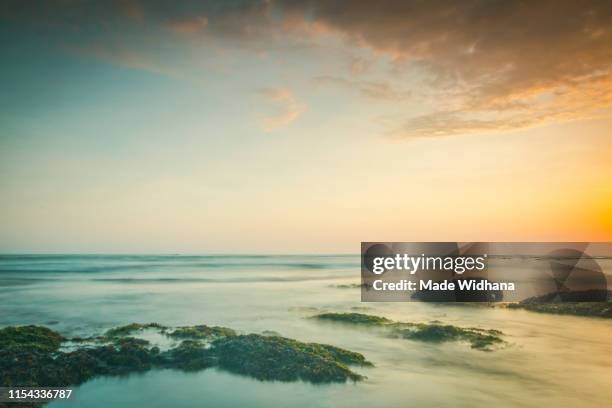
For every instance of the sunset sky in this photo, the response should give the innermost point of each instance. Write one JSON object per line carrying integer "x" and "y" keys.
{"x": 302, "y": 126}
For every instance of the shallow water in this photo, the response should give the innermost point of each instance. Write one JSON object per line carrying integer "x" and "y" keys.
{"x": 551, "y": 360}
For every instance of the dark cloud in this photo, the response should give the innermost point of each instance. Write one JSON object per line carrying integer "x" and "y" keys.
{"x": 524, "y": 62}
{"x": 230, "y": 17}
{"x": 531, "y": 60}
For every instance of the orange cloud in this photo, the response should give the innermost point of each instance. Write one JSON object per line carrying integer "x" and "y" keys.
{"x": 521, "y": 63}
{"x": 288, "y": 108}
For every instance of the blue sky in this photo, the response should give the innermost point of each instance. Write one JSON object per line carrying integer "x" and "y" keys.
{"x": 299, "y": 127}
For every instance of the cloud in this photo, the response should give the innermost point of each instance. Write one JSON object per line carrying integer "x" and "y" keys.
{"x": 590, "y": 100}
{"x": 483, "y": 65}
{"x": 459, "y": 123}
{"x": 371, "y": 89}
{"x": 188, "y": 25}
{"x": 287, "y": 108}
{"x": 525, "y": 63}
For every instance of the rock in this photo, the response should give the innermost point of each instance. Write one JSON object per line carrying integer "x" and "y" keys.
{"x": 283, "y": 359}
{"x": 132, "y": 328}
{"x": 353, "y": 318}
{"x": 29, "y": 338}
{"x": 31, "y": 355}
{"x": 433, "y": 332}
{"x": 547, "y": 304}
{"x": 201, "y": 332}
{"x": 480, "y": 339}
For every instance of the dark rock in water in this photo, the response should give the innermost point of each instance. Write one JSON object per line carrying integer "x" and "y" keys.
{"x": 133, "y": 328}
{"x": 190, "y": 355}
{"x": 270, "y": 333}
{"x": 480, "y": 339}
{"x": 31, "y": 355}
{"x": 28, "y": 338}
{"x": 52, "y": 368}
{"x": 130, "y": 341}
{"x": 572, "y": 303}
{"x": 280, "y": 358}
{"x": 353, "y": 318}
{"x": 201, "y": 332}
{"x": 433, "y": 332}
{"x": 350, "y": 286}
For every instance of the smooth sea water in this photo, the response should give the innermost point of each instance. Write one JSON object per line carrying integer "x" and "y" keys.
{"x": 559, "y": 361}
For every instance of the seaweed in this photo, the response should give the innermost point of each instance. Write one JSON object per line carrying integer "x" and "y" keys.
{"x": 190, "y": 355}
{"x": 283, "y": 359}
{"x": 432, "y": 332}
{"x": 201, "y": 332}
{"x": 550, "y": 303}
{"x": 354, "y": 318}
{"x": 30, "y": 338}
{"x": 591, "y": 309}
{"x": 37, "y": 367}
{"x": 480, "y": 339}
{"x": 132, "y": 328}
{"x": 31, "y": 355}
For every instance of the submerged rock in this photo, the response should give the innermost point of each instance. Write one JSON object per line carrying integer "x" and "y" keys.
{"x": 433, "y": 332}
{"x": 480, "y": 339}
{"x": 353, "y": 318}
{"x": 546, "y": 304}
{"x": 31, "y": 355}
{"x": 201, "y": 332}
{"x": 34, "y": 367}
{"x": 190, "y": 355}
{"x": 35, "y": 338}
{"x": 133, "y": 328}
{"x": 283, "y": 359}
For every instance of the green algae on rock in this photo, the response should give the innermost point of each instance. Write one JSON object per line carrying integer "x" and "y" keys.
{"x": 132, "y": 328}
{"x": 37, "y": 367}
{"x": 480, "y": 339}
{"x": 31, "y": 355}
{"x": 201, "y": 332}
{"x": 353, "y": 318}
{"x": 190, "y": 355}
{"x": 592, "y": 309}
{"x": 433, "y": 332}
{"x": 30, "y": 338}
{"x": 283, "y": 359}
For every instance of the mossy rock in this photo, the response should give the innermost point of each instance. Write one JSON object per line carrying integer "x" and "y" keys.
{"x": 433, "y": 332}
{"x": 347, "y": 286}
{"x": 35, "y": 338}
{"x": 130, "y": 341}
{"x": 34, "y": 367}
{"x": 132, "y": 328}
{"x": 438, "y": 333}
{"x": 283, "y": 359}
{"x": 201, "y": 332}
{"x": 190, "y": 355}
{"x": 589, "y": 309}
{"x": 354, "y": 318}
{"x": 31, "y": 356}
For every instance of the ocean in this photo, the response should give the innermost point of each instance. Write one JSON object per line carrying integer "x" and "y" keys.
{"x": 550, "y": 360}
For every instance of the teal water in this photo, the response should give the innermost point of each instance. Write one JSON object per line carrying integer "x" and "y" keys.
{"x": 558, "y": 361}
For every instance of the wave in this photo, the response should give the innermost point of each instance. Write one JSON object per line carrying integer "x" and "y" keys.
{"x": 77, "y": 265}
{"x": 220, "y": 280}
{"x": 152, "y": 266}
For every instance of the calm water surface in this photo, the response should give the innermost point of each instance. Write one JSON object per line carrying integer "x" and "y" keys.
{"x": 551, "y": 360}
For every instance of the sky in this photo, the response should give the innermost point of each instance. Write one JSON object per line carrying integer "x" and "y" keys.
{"x": 302, "y": 126}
